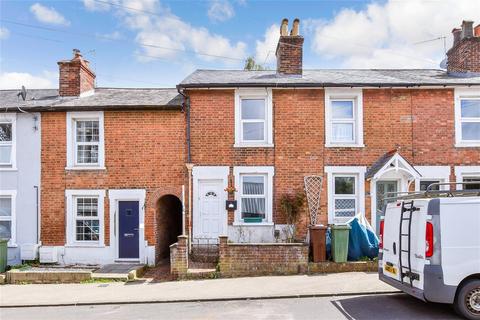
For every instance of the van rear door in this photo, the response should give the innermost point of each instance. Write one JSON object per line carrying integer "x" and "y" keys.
{"x": 396, "y": 241}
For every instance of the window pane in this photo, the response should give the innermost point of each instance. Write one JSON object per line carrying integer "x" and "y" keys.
{"x": 425, "y": 183}
{"x": 253, "y": 185}
{"x": 87, "y": 230}
{"x": 5, "y": 229}
{"x": 470, "y": 108}
{"x": 87, "y": 207}
{"x": 5, "y": 154}
{"x": 5, "y": 132}
{"x": 470, "y": 130}
{"x": 253, "y": 109}
{"x": 5, "y": 207}
{"x": 253, "y": 208}
{"x": 342, "y": 132}
{"x": 342, "y": 109}
{"x": 344, "y": 185}
{"x": 253, "y": 131}
{"x": 87, "y": 131}
{"x": 344, "y": 207}
{"x": 473, "y": 186}
{"x": 87, "y": 154}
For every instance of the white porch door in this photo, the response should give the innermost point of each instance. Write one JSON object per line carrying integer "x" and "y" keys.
{"x": 212, "y": 218}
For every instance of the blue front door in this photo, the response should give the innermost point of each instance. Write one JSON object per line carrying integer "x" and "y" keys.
{"x": 128, "y": 220}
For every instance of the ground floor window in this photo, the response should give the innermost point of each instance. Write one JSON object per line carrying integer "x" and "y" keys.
{"x": 85, "y": 209}
{"x": 346, "y": 192}
{"x": 473, "y": 183}
{"x": 470, "y": 174}
{"x": 7, "y": 216}
{"x": 254, "y": 187}
{"x": 424, "y": 184}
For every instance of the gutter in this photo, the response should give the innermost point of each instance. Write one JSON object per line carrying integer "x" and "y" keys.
{"x": 322, "y": 85}
{"x": 186, "y": 108}
{"x": 53, "y": 108}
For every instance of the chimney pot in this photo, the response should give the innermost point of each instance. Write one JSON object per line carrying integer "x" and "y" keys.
{"x": 467, "y": 29}
{"x": 284, "y": 27}
{"x": 296, "y": 24}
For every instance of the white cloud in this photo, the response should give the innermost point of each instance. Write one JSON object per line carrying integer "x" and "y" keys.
{"x": 48, "y": 15}
{"x": 167, "y": 36}
{"x": 115, "y": 35}
{"x": 4, "y": 33}
{"x": 15, "y": 80}
{"x": 265, "y": 49}
{"x": 220, "y": 10}
{"x": 93, "y": 5}
{"x": 384, "y": 35}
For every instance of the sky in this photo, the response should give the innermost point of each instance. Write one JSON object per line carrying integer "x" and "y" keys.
{"x": 157, "y": 43}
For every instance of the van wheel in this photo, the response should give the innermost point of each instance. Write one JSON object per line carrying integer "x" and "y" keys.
{"x": 467, "y": 301}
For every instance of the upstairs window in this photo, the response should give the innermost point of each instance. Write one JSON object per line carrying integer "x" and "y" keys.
{"x": 7, "y": 141}
{"x": 343, "y": 118}
{"x": 85, "y": 142}
{"x": 467, "y": 118}
{"x": 253, "y": 118}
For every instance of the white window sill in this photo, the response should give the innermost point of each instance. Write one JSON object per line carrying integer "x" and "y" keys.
{"x": 12, "y": 245}
{"x": 84, "y": 245}
{"x": 253, "y": 145}
{"x": 8, "y": 169}
{"x": 467, "y": 145}
{"x": 85, "y": 168}
{"x": 344, "y": 145}
{"x": 253, "y": 224}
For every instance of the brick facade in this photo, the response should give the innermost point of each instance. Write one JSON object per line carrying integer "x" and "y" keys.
{"x": 149, "y": 156}
{"x": 418, "y": 122}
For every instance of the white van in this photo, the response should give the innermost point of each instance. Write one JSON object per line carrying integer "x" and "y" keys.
{"x": 430, "y": 247}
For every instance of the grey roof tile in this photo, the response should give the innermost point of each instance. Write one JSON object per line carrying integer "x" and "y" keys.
{"x": 326, "y": 77}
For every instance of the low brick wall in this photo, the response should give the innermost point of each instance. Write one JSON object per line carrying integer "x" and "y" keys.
{"x": 19, "y": 277}
{"x": 334, "y": 267}
{"x": 250, "y": 259}
{"x": 179, "y": 257}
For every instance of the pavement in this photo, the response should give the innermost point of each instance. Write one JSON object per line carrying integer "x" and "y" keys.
{"x": 273, "y": 287}
{"x": 367, "y": 307}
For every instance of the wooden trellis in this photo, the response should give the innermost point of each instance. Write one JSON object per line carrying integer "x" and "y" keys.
{"x": 313, "y": 189}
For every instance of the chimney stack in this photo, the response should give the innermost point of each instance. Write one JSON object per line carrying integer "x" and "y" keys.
{"x": 76, "y": 78}
{"x": 290, "y": 50}
{"x": 463, "y": 59}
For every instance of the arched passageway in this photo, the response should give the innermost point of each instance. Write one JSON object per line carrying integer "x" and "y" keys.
{"x": 169, "y": 222}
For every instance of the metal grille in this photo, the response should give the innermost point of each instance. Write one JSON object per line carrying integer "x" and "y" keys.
{"x": 313, "y": 189}
{"x": 204, "y": 250}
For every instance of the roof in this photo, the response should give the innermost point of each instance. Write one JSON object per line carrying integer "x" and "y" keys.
{"x": 103, "y": 98}
{"x": 326, "y": 78}
{"x": 384, "y": 159}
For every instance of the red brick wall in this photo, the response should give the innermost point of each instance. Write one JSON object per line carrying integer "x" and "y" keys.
{"x": 75, "y": 78}
{"x": 290, "y": 55}
{"x": 420, "y": 122}
{"x": 465, "y": 56}
{"x": 143, "y": 149}
{"x": 236, "y": 260}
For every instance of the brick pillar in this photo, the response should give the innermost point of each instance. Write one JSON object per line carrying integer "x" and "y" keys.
{"x": 223, "y": 260}
{"x": 179, "y": 257}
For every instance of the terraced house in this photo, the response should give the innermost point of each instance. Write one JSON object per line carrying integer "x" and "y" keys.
{"x": 125, "y": 171}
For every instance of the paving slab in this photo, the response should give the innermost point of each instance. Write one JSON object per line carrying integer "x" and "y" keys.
{"x": 119, "y": 271}
{"x": 195, "y": 290}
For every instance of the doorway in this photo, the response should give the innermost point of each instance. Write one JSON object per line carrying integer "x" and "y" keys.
{"x": 169, "y": 222}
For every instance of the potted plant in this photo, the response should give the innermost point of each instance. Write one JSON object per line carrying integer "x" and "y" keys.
{"x": 291, "y": 206}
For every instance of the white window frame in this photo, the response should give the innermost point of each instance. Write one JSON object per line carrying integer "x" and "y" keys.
{"x": 71, "y": 196}
{"x": 12, "y": 194}
{"x": 10, "y": 118}
{"x": 440, "y": 173}
{"x": 260, "y": 93}
{"x": 465, "y": 172}
{"x": 467, "y": 94}
{"x": 345, "y": 171}
{"x": 72, "y": 117}
{"x": 344, "y": 94}
{"x": 268, "y": 172}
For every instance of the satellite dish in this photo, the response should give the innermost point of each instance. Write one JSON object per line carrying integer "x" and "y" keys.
{"x": 22, "y": 93}
{"x": 443, "y": 64}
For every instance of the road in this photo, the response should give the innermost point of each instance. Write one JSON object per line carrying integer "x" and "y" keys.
{"x": 392, "y": 306}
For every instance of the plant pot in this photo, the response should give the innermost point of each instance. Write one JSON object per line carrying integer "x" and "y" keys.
{"x": 318, "y": 245}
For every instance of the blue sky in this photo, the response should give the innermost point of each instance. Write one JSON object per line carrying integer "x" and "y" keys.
{"x": 216, "y": 34}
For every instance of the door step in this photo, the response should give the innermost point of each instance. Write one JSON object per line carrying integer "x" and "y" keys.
{"x": 202, "y": 273}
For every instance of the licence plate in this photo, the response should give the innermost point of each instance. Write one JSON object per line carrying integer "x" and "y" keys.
{"x": 390, "y": 269}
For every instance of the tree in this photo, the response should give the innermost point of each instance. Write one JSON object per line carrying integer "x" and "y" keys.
{"x": 251, "y": 65}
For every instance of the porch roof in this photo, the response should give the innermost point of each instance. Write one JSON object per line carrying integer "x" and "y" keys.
{"x": 382, "y": 163}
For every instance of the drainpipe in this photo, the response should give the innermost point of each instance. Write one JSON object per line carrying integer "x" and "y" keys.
{"x": 38, "y": 214}
{"x": 189, "y": 165}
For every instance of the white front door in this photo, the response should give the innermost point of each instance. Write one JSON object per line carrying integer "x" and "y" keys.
{"x": 212, "y": 216}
